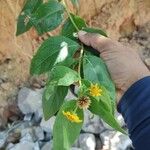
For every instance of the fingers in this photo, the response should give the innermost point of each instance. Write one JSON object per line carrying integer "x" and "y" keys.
{"x": 98, "y": 42}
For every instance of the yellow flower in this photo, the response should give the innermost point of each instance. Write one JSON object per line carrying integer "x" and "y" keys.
{"x": 95, "y": 90}
{"x": 72, "y": 117}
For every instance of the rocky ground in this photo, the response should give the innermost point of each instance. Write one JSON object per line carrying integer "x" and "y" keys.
{"x": 22, "y": 123}
{"x": 33, "y": 132}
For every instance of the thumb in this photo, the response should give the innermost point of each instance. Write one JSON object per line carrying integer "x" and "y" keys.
{"x": 94, "y": 40}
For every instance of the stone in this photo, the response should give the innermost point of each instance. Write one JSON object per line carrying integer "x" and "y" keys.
{"x": 70, "y": 95}
{"x": 37, "y": 117}
{"x": 25, "y": 146}
{"x": 120, "y": 119}
{"x": 36, "y": 146}
{"x": 28, "y": 137}
{"x": 41, "y": 144}
{"x": 115, "y": 140}
{"x": 14, "y": 136}
{"x": 32, "y": 134}
{"x": 48, "y": 146}
{"x": 92, "y": 124}
{"x": 9, "y": 146}
{"x": 30, "y": 101}
{"x": 87, "y": 141}
{"x": 120, "y": 141}
{"x": 2, "y": 143}
{"x": 8, "y": 106}
{"x": 47, "y": 126}
{"x": 28, "y": 117}
{"x": 75, "y": 148}
{"x": 98, "y": 143}
{"x": 105, "y": 137}
{"x": 23, "y": 125}
{"x": 48, "y": 136}
{"x": 3, "y": 138}
{"x": 39, "y": 133}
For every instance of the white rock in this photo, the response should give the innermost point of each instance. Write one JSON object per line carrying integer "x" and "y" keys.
{"x": 27, "y": 138}
{"x": 9, "y": 146}
{"x": 105, "y": 137}
{"x": 115, "y": 140}
{"x": 48, "y": 146}
{"x": 87, "y": 141}
{"x": 29, "y": 101}
{"x": 39, "y": 133}
{"x": 70, "y": 95}
{"x": 32, "y": 134}
{"x": 75, "y": 148}
{"x": 28, "y": 117}
{"x": 36, "y": 146}
{"x": 120, "y": 119}
{"x": 37, "y": 117}
{"x": 48, "y": 136}
{"x": 2, "y": 139}
{"x": 47, "y": 126}
{"x": 92, "y": 123}
{"x": 25, "y": 146}
{"x": 99, "y": 144}
{"x": 2, "y": 142}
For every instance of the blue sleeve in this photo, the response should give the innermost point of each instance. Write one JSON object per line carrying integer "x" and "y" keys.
{"x": 135, "y": 108}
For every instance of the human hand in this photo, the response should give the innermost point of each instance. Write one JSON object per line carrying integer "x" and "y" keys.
{"x": 123, "y": 63}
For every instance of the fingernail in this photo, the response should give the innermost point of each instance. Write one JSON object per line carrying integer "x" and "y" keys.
{"x": 82, "y": 33}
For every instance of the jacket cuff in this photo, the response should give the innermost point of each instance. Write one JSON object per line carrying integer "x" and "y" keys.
{"x": 135, "y": 103}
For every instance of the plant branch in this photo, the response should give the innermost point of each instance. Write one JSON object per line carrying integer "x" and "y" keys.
{"x": 82, "y": 47}
{"x": 68, "y": 13}
{"x": 80, "y": 63}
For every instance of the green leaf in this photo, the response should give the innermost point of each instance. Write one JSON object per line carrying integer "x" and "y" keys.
{"x": 48, "y": 16}
{"x": 54, "y": 50}
{"x": 64, "y": 76}
{"x": 24, "y": 20}
{"x": 66, "y": 132}
{"x": 69, "y": 62}
{"x": 106, "y": 100}
{"x": 68, "y": 28}
{"x": 53, "y": 98}
{"x": 96, "y": 71}
{"x": 94, "y": 30}
{"x": 91, "y": 51}
{"x": 99, "y": 108}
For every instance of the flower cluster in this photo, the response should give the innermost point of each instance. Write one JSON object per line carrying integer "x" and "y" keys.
{"x": 83, "y": 102}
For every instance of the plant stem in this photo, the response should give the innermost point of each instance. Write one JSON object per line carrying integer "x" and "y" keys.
{"x": 82, "y": 47}
{"x": 74, "y": 111}
{"x": 68, "y": 13}
{"x": 80, "y": 63}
